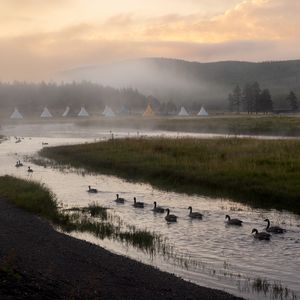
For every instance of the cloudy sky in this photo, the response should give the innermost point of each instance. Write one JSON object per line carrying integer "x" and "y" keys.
{"x": 41, "y": 37}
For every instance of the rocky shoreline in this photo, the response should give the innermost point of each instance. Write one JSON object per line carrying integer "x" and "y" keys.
{"x": 37, "y": 262}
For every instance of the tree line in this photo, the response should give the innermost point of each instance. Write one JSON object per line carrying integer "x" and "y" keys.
{"x": 252, "y": 99}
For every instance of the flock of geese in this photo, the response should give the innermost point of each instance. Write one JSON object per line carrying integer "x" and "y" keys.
{"x": 171, "y": 218}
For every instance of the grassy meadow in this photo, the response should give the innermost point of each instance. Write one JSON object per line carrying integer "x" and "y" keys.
{"x": 261, "y": 173}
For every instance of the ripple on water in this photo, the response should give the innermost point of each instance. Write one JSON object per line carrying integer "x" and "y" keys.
{"x": 209, "y": 245}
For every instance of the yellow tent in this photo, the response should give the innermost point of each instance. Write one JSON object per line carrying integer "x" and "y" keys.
{"x": 149, "y": 111}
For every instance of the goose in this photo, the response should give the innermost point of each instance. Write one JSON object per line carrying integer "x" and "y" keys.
{"x": 236, "y": 222}
{"x": 138, "y": 204}
{"x": 261, "y": 235}
{"x": 194, "y": 215}
{"x": 158, "y": 209}
{"x": 170, "y": 218}
{"x": 273, "y": 229}
{"x": 119, "y": 200}
{"x": 93, "y": 191}
{"x": 29, "y": 170}
{"x": 19, "y": 164}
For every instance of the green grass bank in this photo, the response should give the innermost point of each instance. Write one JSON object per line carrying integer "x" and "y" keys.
{"x": 261, "y": 173}
{"x": 38, "y": 199}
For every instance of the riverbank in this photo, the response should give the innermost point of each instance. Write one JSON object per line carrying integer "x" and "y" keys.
{"x": 261, "y": 173}
{"x": 38, "y": 262}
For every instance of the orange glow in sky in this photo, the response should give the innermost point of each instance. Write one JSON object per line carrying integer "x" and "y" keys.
{"x": 41, "y": 37}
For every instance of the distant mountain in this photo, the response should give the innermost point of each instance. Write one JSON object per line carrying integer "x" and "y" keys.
{"x": 188, "y": 82}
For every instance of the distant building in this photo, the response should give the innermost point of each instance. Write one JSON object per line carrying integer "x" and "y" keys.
{"x": 16, "y": 114}
{"x": 183, "y": 112}
{"x": 149, "y": 111}
{"x": 83, "y": 112}
{"x": 202, "y": 112}
{"x": 46, "y": 113}
{"x": 109, "y": 112}
{"x": 66, "y": 112}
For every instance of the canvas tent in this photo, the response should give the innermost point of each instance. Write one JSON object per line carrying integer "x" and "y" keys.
{"x": 83, "y": 112}
{"x": 46, "y": 113}
{"x": 202, "y": 112}
{"x": 66, "y": 112}
{"x": 109, "y": 112}
{"x": 105, "y": 110}
{"x": 183, "y": 112}
{"x": 16, "y": 114}
{"x": 148, "y": 112}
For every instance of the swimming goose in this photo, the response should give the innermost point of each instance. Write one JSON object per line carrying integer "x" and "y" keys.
{"x": 261, "y": 235}
{"x": 158, "y": 209}
{"x": 274, "y": 229}
{"x": 138, "y": 204}
{"x": 170, "y": 218}
{"x": 93, "y": 191}
{"x": 19, "y": 164}
{"x": 29, "y": 170}
{"x": 119, "y": 200}
{"x": 194, "y": 215}
{"x": 230, "y": 221}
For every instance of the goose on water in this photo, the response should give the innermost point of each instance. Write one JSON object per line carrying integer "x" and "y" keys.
{"x": 194, "y": 215}
{"x": 261, "y": 235}
{"x": 170, "y": 218}
{"x": 19, "y": 164}
{"x": 273, "y": 229}
{"x": 230, "y": 221}
{"x": 158, "y": 209}
{"x": 29, "y": 170}
{"x": 138, "y": 204}
{"x": 91, "y": 190}
{"x": 119, "y": 200}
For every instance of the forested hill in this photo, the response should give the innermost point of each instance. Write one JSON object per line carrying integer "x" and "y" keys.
{"x": 182, "y": 81}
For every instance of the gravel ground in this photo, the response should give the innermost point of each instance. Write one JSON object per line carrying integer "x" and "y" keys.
{"x": 37, "y": 262}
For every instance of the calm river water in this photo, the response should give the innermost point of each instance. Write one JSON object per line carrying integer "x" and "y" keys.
{"x": 206, "y": 252}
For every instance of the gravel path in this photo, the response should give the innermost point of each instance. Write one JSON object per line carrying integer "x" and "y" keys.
{"x": 41, "y": 263}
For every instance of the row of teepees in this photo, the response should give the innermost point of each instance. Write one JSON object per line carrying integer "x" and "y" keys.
{"x": 182, "y": 113}
{"x": 108, "y": 112}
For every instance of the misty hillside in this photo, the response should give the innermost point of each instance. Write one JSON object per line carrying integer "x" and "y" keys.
{"x": 182, "y": 81}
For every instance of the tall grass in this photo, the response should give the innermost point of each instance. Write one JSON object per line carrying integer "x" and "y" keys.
{"x": 36, "y": 198}
{"x": 262, "y": 173}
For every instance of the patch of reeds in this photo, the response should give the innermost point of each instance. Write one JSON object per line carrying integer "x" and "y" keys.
{"x": 36, "y": 198}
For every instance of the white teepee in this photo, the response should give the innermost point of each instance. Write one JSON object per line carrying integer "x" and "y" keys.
{"x": 183, "y": 112}
{"x": 16, "y": 114}
{"x": 105, "y": 110}
{"x": 203, "y": 112}
{"x": 66, "y": 112}
{"x": 46, "y": 113}
{"x": 109, "y": 112}
{"x": 83, "y": 112}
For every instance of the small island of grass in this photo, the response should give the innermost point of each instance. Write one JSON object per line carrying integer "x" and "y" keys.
{"x": 261, "y": 173}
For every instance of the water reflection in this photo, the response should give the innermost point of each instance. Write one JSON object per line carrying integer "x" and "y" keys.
{"x": 204, "y": 251}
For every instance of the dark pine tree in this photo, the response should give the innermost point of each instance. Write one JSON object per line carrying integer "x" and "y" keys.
{"x": 265, "y": 101}
{"x": 293, "y": 101}
{"x": 237, "y": 98}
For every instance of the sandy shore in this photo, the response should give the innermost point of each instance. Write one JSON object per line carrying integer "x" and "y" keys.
{"x": 41, "y": 263}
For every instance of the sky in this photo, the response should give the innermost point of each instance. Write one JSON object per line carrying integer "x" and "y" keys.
{"x": 39, "y": 38}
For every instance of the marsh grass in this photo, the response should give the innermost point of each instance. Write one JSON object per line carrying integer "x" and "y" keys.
{"x": 261, "y": 173}
{"x": 38, "y": 199}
